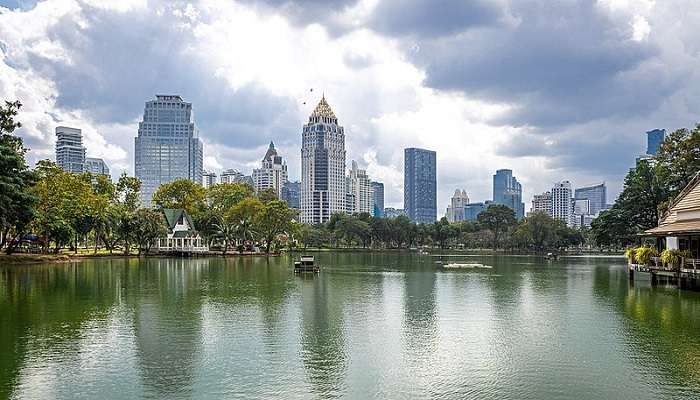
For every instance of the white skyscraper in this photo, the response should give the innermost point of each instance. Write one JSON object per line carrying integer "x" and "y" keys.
{"x": 322, "y": 166}
{"x": 455, "y": 211}
{"x": 208, "y": 179}
{"x": 168, "y": 146}
{"x": 70, "y": 153}
{"x": 562, "y": 206}
{"x": 360, "y": 187}
{"x": 273, "y": 174}
{"x": 542, "y": 203}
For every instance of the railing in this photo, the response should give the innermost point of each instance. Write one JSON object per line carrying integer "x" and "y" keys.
{"x": 694, "y": 265}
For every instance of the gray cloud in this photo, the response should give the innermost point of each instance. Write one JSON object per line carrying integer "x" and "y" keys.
{"x": 429, "y": 18}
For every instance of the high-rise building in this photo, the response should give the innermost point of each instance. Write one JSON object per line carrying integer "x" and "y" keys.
{"x": 377, "y": 199}
{"x": 455, "y": 211}
{"x": 508, "y": 191}
{"x": 542, "y": 203}
{"x": 273, "y": 174}
{"x": 472, "y": 210}
{"x": 322, "y": 166}
{"x": 208, "y": 179}
{"x": 70, "y": 153}
{"x": 654, "y": 139}
{"x": 96, "y": 166}
{"x": 168, "y": 146}
{"x": 235, "y": 176}
{"x": 359, "y": 186}
{"x": 291, "y": 191}
{"x": 562, "y": 206}
{"x": 596, "y": 194}
{"x": 420, "y": 185}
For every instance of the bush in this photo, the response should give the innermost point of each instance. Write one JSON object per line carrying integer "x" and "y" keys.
{"x": 674, "y": 257}
{"x": 644, "y": 254}
{"x": 630, "y": 254}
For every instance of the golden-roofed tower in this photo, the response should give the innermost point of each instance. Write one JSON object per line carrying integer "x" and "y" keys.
{"x": 323, "y": 110}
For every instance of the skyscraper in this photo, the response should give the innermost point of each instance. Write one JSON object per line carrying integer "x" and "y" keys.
{"x": 70, "y": 153}
{"x": 508, "y": 191}
{"x": 322, "y": 166}
{"x": 168, "y": 146}
{"x": 562, "y": 206}
{"x": 377, "y": 199}
{"x": 455, "y": 211}
{"x": 596, "y": 194}
{"x": 273, "y": 174}
{"x": 96, "y": 166}
{"x": 420, "y": 185}
{"x": 654, "y": 139}
{"x": 360, "y": 187}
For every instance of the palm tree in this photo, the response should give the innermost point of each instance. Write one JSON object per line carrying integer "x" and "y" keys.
{"x": 225, "y": 231}
{"x": 244, "y": 230}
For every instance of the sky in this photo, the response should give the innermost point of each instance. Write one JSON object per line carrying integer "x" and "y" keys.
{"x": 560, "y": 90}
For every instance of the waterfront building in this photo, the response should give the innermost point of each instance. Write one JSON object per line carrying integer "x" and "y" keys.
{"x": 377, "y": 199}
{"x": 96, "y": 166}
{"x": 542, "y": 203}
{"x": 562, "y": 205}
{"x": 472, "y": 210}
{"x": 508, "y": 191}
{"x": 235, "y": 176}
{"x": 272, "y": 174}
{"x": 420, "y": 185}
{"x": 581, "y": 214}
{"x": 208, "y": 179}
{"x": 182, "y": 236}
{"x": 70, "y": 153}
{"x": 168, "y": 147}
{"x": 679, "y": 227}
{"x": 391, "y": 212}
{"x": 654, "y": 139}
{"x": 291, "y": 192}
{"x": 359, "y": 186}
{"x": 323, "y": 188}
{"x": 596, "y": 194}
{"x": 455, "y": 211}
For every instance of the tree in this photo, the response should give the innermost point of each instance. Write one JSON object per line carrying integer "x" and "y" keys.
{"x": 442, "y": 231}
{"x": 222, "y": 197}
{"x": 273, "y": 219}
{"x": 498, "y": 219}
{"x": 17, "y": 209}
{"x": 641, "y": 196}
{"x": 267, "y": 195}
{"x": 182, "y": 193}
{"x": 149, "y": 227}
{"x": 127, "y": 192}
{"x": 612, "y": 228}
{"x": 678, "y": 160}
{"x": 539, "y": 231}
{"x": 313, "y": 235}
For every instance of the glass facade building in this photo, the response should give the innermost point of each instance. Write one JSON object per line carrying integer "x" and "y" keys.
{"x": 654, "y": 139}
{"x": 508, "y": 191}
{"x": 595, "y": 194}
{"x": 420, "y": 185}
{"x": 377, "y": 199}
{"x": 168, "y": 146}
{"x": 96, "y": 166}
{"x": 291, "y": 194}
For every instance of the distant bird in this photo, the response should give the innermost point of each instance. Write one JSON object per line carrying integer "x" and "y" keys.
{"x": 312, "y": 89}
{"x": 304, "y": 103}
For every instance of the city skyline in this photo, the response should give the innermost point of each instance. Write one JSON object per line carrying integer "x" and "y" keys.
{"x": 248, "y": 95}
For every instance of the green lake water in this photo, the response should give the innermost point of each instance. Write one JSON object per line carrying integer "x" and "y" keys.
{"x": 368, "y": 326}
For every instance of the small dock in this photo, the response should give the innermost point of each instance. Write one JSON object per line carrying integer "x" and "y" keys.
{"x": 686, "y": 277}
{"x": 306, "y": 265}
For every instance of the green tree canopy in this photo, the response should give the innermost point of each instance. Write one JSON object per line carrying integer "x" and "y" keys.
{"x": 498, "y": 219}
{"x": 182, "y": 193}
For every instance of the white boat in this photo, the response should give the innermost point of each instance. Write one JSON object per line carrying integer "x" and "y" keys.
{"x": 467, "y": 266}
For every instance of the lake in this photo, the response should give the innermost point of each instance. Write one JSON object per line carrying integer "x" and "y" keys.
{"x": 370, "y": 325}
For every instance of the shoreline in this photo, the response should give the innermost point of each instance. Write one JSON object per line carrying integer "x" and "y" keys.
{"x": 26, "y": 258}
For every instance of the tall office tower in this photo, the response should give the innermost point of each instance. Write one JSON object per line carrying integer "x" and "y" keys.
{"x": 596, "y": 194}
{"x": 96, "y": 166}
{"x": 168, "y": 146}
{"x": 235, "y": 176}
{"x": 420, "y": 185}
{"x": 472, "y": 210}
{"x": 562, "y": 206}
{"x": 542, "y": 203}
{"x": 272, "y": 174}
{"x": 508, "y": 191}
{"x": 208, "y": 179}
{"x": 455, "y": 211}
{"x": 359, "y": 186}
{"x": 654, "y": 139}
{"x": 290, "y": 194}
{"x": 70, "y": 153}
{"x": 322, "y": 166}
{"x": 377, "y": 199}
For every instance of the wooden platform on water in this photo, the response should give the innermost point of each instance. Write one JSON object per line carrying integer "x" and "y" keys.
{"x": 306, "y": 265}
{"x": 685, "y": 278}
